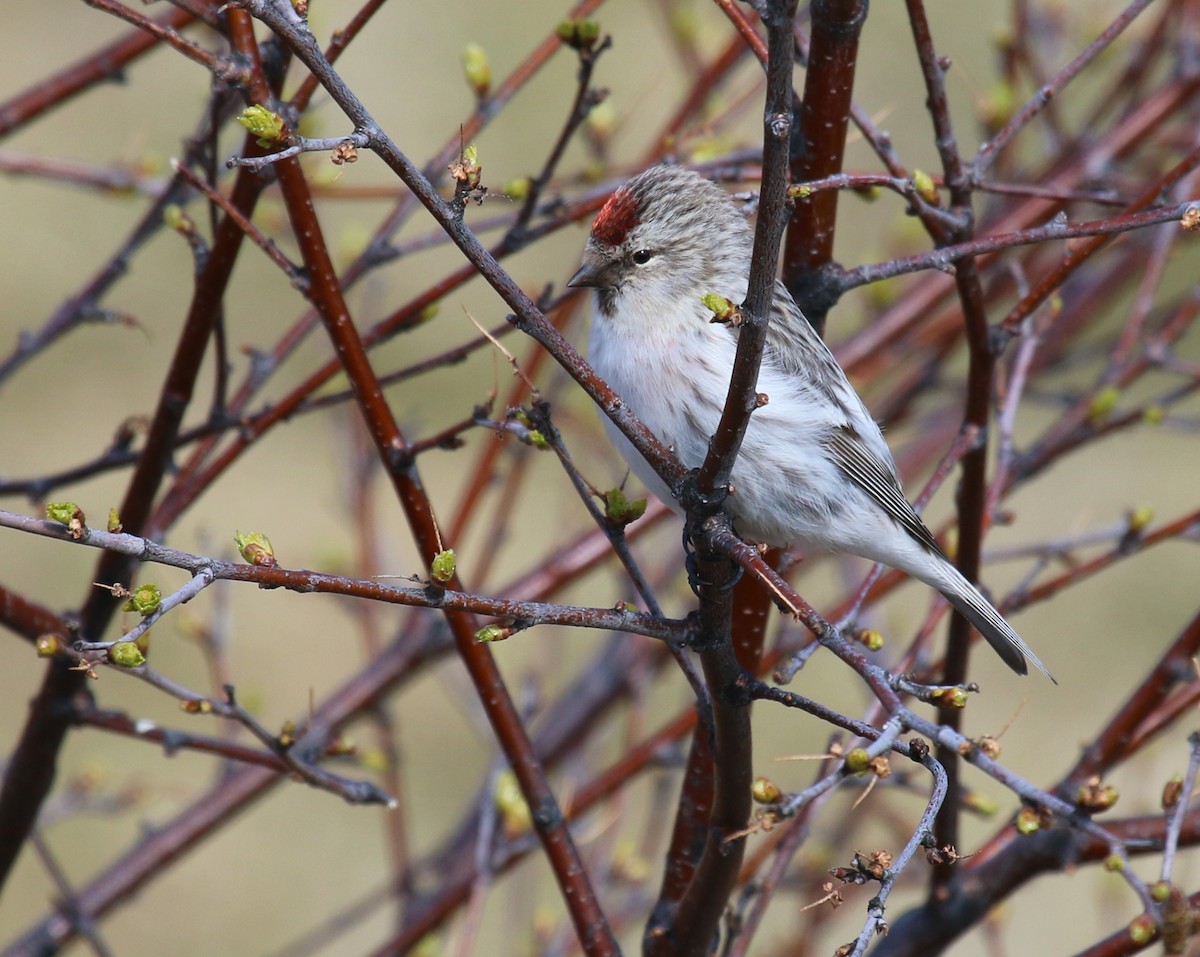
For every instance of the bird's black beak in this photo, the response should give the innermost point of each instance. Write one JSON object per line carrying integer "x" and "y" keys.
{"x": 592, "y": 274}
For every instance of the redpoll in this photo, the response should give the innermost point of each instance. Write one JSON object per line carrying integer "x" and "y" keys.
{"x": 814, "y": 471}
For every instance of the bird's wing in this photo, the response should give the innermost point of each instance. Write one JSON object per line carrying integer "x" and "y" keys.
{"x": 793, "y": 344}
{"x": 851, "y": 454}
{"x": 794, "y": 347}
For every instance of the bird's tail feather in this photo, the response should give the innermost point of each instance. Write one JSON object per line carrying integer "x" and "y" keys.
{"x": 991, "y": 624}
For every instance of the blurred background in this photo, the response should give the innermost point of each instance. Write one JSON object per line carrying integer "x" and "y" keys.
{"x": 298, "y": 857}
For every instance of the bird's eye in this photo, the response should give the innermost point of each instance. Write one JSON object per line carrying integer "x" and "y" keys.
{"x": 642, "y": 256}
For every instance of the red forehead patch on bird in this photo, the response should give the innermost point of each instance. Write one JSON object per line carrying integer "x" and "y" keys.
{"x": 618, "y": 216}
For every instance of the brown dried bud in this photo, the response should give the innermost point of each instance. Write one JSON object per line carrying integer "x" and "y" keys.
{"x": 345, "y": 152}
{"x": 1172, "y": 792}
{"x": 1094, "y": 797}
{"x": 874, "y": 865}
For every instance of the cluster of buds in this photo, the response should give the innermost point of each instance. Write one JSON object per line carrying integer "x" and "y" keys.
{"x": 580, "y": 35}
{"x": 1093, "y": 796}
{"x": 69, "y": 514}
{"x": 467, "y": 174}
{"x": 620, "y": 511}
{"x": 864, "y": 867}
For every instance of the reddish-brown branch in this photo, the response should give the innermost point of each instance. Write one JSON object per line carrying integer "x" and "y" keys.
{"x": 820, "y": 143}
{"x": 220, "y": 67}
{"x": 590, "y": 924}
{"x": 100, "y": 66}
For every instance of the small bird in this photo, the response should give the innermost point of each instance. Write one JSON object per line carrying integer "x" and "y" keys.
{"x": 814, "y": 470}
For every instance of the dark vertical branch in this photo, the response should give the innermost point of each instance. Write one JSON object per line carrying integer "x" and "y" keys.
{"x": 689, "y": 927}
{"x": 694, "y": 923}
{"x": 742, "y": 398}
{"x": 819, "y": 142}
{"x": 30, "y": 772}
{"x": 972, "y": 497}
{"x": 31, "y": 768}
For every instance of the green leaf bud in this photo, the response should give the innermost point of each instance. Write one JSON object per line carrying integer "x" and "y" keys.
{"x": 125, "y": 654}
{"x": 442, "y": 567}
{"x": 145, "y": 600}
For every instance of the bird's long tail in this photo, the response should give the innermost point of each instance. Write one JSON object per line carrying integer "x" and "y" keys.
{"x": 990, "y": 623}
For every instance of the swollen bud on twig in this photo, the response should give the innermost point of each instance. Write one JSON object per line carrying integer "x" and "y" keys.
{"x": 619, "y": 510}
{"x": 145, "y": 600}
{"x": 1028, "y": 821}
{"x": 1143, "y": 930}
{"x": 476, "y": 69}
{"x": 579, "y": 34}
{"x": 69, "y": 514}
{"x": 125, "y": 654}
{"x": 466, "y": 171}
{"x": 924, "y": 185}
{"x": 602, "y": 122}
{"x": 765, "y": 791}
{"x": 264, "y": 124}
{"x": 510, "y": 802}
{"x": 518, "y": 188}
{"x": 531, "y": 435}
{"x": 952, "y": 699}
{"x": 1172, "y": 792}
{"x": 490, "y": 633}
{"x": 441, "y": 569}
{"x": 857, "y": 761}
{"x": 48, "y": 645}
{"x": 1138, "y": 518}
{"x": 874, "y": 865}
{"x": 724, "y": 312}
{"x": 176, "y": 218}
{"x": 981, "y": 804}
{"x": 989, "y": 746}
{"x": 1103, "y": 402}
{"x": 114, "y": 522}
{"x": 255, "y": 548}
{"x": 997, "y": 106}
{"x": 871, "y": 639}
{"x": 1095, "y": 797}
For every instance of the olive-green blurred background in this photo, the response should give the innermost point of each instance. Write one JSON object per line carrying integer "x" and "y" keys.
{"x": 298, "y": 856}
